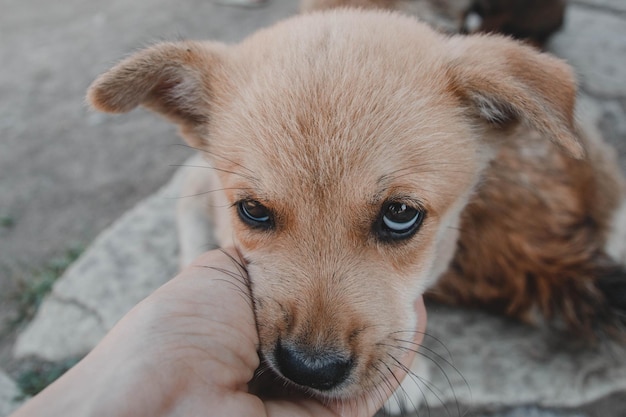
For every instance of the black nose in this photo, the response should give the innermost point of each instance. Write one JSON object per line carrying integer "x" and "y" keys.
{"x": 319, "y": 369}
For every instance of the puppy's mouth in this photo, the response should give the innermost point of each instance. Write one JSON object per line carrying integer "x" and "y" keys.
{"x": 324, "y": 372}
{"x": 294, "y": 376}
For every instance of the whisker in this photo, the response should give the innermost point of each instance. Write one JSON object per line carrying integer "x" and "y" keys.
{"x": 239, "y": 261}
{"x": 413, "y": 377}
{"x": 242, "y": 291}
{"x": 406, "y": 394}
{"x": 438, "y": 365}
{"x": 417, "y": 380}
{"x": 436, "y": 339}
{"x": 248, "y": 177}
{"x": 206, "y": 151}
{"x": 241, "y": 277}
{"x": 211, "y": 191}
{"x": 433, "y": 171}
{"x": 415, "y": 169}
{"x": 384, "y": 379}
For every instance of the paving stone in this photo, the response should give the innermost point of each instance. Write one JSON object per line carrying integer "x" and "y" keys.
{"x": 488, "y": 361}
{"x": 594, "y": 42}
{"x": 613, "y": 123}
{"x": 8, "y": 394}
{"x": 125, "y": 263}
{"x": 533, "y": 412}
{"x": 608, "y": 5}
{"x": 524, "y": 411}
{"x": 606, "y": 119}
{"x": 61, "y": 329}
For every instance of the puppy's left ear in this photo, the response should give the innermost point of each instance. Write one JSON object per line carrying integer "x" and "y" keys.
{"x": 504, "y": 81}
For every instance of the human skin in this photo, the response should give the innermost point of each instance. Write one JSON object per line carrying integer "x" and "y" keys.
{"x": 189, "y": 349}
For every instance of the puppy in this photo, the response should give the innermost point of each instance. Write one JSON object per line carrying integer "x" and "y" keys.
{"x": 360, "y": 159}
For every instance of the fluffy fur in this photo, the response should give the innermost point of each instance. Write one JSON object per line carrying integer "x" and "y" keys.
{"x": 325, "y": 117}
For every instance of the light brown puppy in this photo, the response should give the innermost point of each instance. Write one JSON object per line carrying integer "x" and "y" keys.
{"x": 360, "y": 159}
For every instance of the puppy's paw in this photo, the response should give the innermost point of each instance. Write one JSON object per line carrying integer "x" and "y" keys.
{"x": 408, "y": 398}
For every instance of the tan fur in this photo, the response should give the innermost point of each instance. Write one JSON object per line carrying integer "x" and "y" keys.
{"x": 324, "y": 117}
{"x": 533, "y": 237}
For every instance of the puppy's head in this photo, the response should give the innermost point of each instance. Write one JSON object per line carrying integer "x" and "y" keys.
{"x": 348, "y": 143}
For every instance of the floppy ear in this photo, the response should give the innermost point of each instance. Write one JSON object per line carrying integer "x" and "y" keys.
{"x": 505, "y": 81}
{"x": 173, "y": 79}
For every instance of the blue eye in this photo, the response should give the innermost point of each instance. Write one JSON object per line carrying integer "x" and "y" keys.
{"x": 254, "y": 214}
{"x": 398, "y": 221}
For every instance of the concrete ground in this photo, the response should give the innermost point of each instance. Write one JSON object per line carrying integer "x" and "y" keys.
{"x": 67, "y": 173}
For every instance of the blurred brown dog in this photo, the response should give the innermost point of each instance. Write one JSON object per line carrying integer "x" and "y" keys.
{"x": 532, "y": 21}
{"x": 360, "y": 158}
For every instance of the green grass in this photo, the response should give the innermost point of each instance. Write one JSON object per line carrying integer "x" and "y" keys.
{"x": 37, "y": 376}
{"x": 6, "y": 222}
{"x": 34, "y": 288}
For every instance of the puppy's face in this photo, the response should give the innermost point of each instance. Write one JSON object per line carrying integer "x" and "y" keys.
{"x": 342, "y": 203}
{"x": 347, "y": 144}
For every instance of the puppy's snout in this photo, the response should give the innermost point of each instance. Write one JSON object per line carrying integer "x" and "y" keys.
{"x": 321, "y": 369}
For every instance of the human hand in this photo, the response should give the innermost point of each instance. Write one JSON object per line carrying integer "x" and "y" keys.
{"x": 189, "y": 349}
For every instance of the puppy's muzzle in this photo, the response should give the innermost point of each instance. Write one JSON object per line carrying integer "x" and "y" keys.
{"x": 320, "y": 368}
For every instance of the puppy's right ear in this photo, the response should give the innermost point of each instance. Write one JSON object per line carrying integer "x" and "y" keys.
{"x": 173, "y": 79}
{"x": 504, "y": 81}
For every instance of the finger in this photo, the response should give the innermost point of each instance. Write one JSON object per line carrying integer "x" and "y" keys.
{"x": 303, "y": 408}
{"x": 422, "y": 319}
{"x": 207, "y": 309}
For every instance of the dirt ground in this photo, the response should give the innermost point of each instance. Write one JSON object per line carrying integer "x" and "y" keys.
{"x": 66, "y": 173}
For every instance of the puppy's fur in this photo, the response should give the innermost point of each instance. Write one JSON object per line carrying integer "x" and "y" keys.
{"x": 325, "y": 118}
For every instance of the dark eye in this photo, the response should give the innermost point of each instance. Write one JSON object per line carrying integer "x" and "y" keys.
{"x": 398, "y": 221}
{"x": 254, "y": 214}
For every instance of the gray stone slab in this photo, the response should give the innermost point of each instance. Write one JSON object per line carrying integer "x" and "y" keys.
{"x": 484, "y": 360}
{"x": 534, "y": 412}
{"x": 8, "y": 394}
{"x": 594, "y": 42}
{"x": 607, "y": 5}
{"x": 61, "y": 329}
{"x": 523, "y": 411}
{"x": 122, "y": 266}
